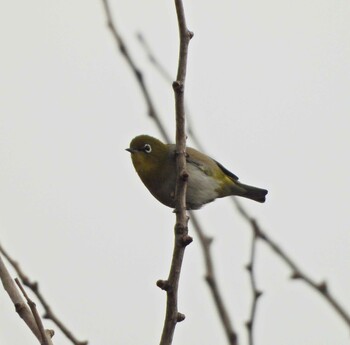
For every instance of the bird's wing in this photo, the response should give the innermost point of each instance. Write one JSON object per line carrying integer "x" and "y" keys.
{"x": 191, "y": 160}
{"x": 227, "y": 172}
{"x": 208, "y": 169}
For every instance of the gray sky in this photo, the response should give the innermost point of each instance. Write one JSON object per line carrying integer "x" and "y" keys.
{"x": 268, "y": 91}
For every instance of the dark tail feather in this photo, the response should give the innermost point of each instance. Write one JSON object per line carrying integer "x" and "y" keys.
{"x": 254, "y": 193}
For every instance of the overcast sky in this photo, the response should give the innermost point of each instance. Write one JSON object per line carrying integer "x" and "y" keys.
{"x": 268, "y": 93}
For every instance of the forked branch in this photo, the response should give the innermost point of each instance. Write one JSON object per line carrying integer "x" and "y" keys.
{"x": 297, "y": 273}
{"x": 34, "y": 286}
{"x": 21, "y": 308}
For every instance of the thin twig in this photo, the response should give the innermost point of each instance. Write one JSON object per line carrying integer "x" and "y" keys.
{"x": 137, "y": 72}
{"x": 210, "y": 278}
{"x": 155, "y": 62}
{"x": 45, "y": 336}
{"x": 166, "y": 76}
{"x": 21, "y": 308}
{"x": 256, "y": 293}
{"x": 34, "y": 286}
{"x": 297, "y": 273}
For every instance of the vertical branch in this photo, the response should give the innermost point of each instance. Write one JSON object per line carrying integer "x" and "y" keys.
{"x": 179, "y": 90}
{"x": 204, "y": 240}
{"x": 182, "y": 239}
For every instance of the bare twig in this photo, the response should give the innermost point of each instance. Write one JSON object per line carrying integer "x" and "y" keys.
{"x": 297, "y": 273}
{"x": 159, "y": 67}
{"x": 138, "y": 74}
{"x": 182, "y": 239}
{"x": 210, "y": 278}
{"x": 34, "y": 286}
{"x": 21, "y": 308}
{"x": 46, "y": 336}
{"x": 256, "y": 293}
{"x": 166, "y": 76}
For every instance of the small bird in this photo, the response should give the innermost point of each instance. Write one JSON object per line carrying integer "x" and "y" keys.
{"x": 155, "y": 163}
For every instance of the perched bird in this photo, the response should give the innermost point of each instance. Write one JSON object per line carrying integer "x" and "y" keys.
{"x": 155, "y": 163}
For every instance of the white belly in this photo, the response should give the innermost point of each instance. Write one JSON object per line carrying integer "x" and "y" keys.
{"x": 201, "y": 188}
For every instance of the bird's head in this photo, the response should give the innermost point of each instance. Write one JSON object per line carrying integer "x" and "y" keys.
{"x": 147, "y": 153}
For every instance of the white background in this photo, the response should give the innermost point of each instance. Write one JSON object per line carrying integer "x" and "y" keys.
{"x": 268, "y": 92}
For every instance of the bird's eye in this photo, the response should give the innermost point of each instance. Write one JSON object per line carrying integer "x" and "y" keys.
{"x": 147, "y": 148}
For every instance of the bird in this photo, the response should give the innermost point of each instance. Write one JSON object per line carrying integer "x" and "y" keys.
{"x": 155, "y": 163}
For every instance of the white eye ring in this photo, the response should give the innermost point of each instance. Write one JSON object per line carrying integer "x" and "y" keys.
{"x": 147, "y": 148}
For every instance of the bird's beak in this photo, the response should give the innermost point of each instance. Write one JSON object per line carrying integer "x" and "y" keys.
{"x": 131, "y": 150}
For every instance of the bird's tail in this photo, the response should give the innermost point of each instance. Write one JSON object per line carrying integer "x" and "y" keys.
{"x": 250, "y": 192}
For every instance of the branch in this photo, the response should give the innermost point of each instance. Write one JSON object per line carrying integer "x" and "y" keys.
{"x": 210, "y": 278}
{"x": 297, "y": 273}
{"x": 182, "y": 239}
{"x": 166, "y": 76}
{"x": 45, "y": 335}
{"x": 256, "y": 293}
{"x": 136, "y": 71}
{"x": 34, "y": 286}
{"x": 21, "y": 308}
{"x": 155, "y": 62}
{"x": 204, "y": 240}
